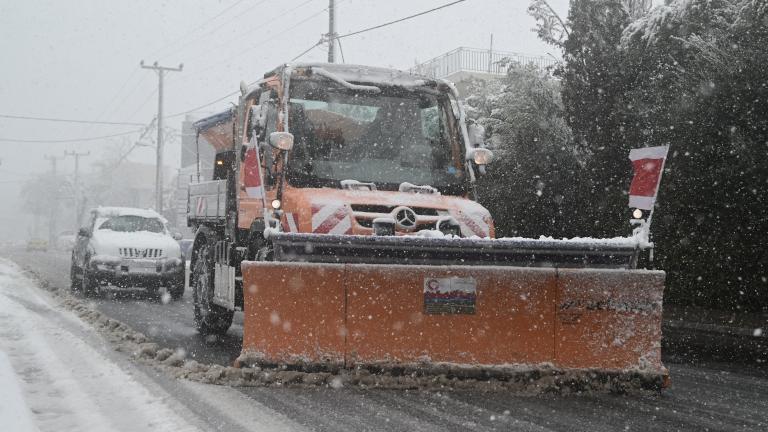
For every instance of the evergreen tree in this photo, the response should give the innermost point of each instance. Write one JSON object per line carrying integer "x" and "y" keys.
{"x": 701, "y": 86}
{"x": 530, "y": 188}
{"x": 594, "y": 86}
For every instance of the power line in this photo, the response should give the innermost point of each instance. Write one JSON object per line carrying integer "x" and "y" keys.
{"x": 196, "y": 28}
{"x": 143, "y": 104}
{"x": 228, "y": 43}
{"x": 111, "y": 103}
{"x": 307, "y": 50}
{"x": 257, "y": 44}
{"x": 218, "y": 63}
{"x": 208, "y": 32}
{"x": 399, "y": 20}
{"x": 69, "y": 140}
{"x": 18, "y": 117}
{"x": 205, "y": 105}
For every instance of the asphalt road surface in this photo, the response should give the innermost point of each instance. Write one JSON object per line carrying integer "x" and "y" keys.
{"x": 703, "y": 397}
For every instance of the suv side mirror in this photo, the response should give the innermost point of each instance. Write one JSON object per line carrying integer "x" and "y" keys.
{"x": 83, "y": 232}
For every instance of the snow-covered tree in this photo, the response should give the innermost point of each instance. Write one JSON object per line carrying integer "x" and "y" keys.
{"x": 529, "y": 188}
{"x": 700, "y": 84}
{"x": 594, "y": 88}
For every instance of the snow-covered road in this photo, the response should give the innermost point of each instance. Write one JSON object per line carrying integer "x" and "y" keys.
{"x": 56, "y": 374}
{"x": 722, "y": 397}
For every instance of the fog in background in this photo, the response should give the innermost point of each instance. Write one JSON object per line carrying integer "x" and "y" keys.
{"x": 79, "y": 59}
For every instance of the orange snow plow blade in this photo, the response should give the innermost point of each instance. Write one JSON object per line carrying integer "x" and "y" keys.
{"x": 347, "y": 315}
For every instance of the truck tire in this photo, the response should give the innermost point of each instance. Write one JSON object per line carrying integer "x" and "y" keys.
{"x": 210, "y": 318}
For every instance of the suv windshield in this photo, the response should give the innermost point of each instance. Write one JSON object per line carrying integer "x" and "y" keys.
{"x": 389, "y": 138}
{"x": 133, "y": 223}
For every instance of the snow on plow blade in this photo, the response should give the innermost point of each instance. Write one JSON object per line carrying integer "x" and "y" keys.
{"x": 344, "y": 315}
{"x": 450, "y": 251}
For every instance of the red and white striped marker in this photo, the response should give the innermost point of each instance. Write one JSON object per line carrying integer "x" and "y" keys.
{"x": 472, "y": 224}
{"x": 648, "y": 163}
{"x": 202, "y": 204}
{"x": 331, "y": 218}
{"x": 252, "y": 174}
{"x": 290, "y": 222}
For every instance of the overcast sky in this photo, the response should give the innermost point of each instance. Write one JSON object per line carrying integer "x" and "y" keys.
{"x": 80, "y": 58}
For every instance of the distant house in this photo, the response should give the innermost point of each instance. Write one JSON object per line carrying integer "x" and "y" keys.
{"x": 463, "y": 65}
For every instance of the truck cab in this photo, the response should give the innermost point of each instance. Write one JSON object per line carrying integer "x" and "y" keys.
{"x": 335, "y": 150}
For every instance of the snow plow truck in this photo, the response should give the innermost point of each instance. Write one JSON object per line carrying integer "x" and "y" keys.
{"x": 342, "y": 220}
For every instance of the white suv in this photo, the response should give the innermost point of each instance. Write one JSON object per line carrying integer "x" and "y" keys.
{"x": 126, "y": 247}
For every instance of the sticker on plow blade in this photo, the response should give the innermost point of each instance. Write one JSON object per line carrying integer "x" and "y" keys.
{"x": 450, "y": 295}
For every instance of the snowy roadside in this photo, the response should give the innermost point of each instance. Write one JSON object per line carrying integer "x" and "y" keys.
{"x": 55, "y": 376}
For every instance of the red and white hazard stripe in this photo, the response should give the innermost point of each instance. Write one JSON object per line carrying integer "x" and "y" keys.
{"x": 254, "y": 187}
{"x": 290, "y": 222}
{"x": 202, "y": 204}
{"x": 473, "y": 224}
{"x": 332, "y": 218}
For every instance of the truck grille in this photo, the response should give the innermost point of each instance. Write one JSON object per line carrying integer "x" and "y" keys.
{"x": 364, "y": 215}
{"x": 421, "y": 211}
{"x": 141, "y": 253}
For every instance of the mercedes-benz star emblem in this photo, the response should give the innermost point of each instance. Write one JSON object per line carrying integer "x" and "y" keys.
{"x": 405, "y": 218}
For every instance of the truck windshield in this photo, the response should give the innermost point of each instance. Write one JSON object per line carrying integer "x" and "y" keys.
{"x": 395, "y": 136}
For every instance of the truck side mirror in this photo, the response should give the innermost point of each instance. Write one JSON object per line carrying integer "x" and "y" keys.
{"x": 259, "y": 118}
{"x": 476, "y": 135}
{"x": 481, "y": 156}
{"x": 281, "y": 140}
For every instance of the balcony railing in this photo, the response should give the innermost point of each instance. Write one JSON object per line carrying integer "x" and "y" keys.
{"x": 476, "y": 60}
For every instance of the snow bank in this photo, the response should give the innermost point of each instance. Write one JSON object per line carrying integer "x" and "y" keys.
{"x": 66, "y": 377}
{"x": 15, "y": 415}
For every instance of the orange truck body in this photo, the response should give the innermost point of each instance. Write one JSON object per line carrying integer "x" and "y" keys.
{"x": 342, "y": 313}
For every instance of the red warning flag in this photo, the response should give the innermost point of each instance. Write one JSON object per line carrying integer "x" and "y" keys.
{"x": 252, "y": 174}
{"x": 648, "y": 163}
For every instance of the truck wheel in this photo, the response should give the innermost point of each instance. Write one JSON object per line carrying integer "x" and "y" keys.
{"x": 210, "y": 318}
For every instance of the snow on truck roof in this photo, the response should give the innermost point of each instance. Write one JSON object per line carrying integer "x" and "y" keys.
{"x": 358, "y": 74}
{"x": 126, "y": 211}
{"x": 369, "y": 74}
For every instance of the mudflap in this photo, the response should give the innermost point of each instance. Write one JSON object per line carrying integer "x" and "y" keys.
{"x": 491, "y": 318}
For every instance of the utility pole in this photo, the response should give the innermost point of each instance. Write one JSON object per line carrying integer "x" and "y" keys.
{"x": 54, "y": 202}
{"x": 77, "y": 184}
{"x": 161, "y": 70}
{"x": 331, "y": 31}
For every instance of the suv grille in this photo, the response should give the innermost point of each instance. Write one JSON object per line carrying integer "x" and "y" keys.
{"x": 140, "y": 253}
